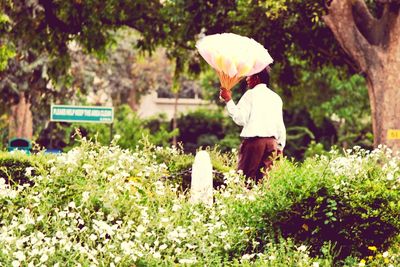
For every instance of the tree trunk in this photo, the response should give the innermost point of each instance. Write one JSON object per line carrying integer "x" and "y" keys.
{"x": 374, "y": 45}
{"x": 175, "y": 118}
{"x": 132, "y": 99}
{"x": 21, "y": 119}
{"x": 384, "y": 82}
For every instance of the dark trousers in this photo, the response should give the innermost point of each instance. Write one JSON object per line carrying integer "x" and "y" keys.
{"x": 256, "y": 154}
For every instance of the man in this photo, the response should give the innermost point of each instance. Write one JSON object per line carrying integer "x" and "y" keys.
{"x": 259, "y": 111}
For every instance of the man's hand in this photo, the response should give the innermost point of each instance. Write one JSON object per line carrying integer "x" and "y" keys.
{"x": 225, "y": 94}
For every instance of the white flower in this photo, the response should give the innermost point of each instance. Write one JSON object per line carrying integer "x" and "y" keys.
{"x": 272, "y": 257}
{"x": 157, "y": 255}
{"x": 40, "y": 235}
{"x": 248, "y": 256}
{"x": 140, "y": 229}
{"x": 190, "y": 246}
{"x": 15, "y": 263}
{"x": 164, "y": 220}
{"x": 240, "y": 196}
{"x": 87, "y": 167}
{"x": 127, "y": 246}
{"x": 85, "y": 196}
{"x": 176, "y": 207}
{"x": 252, "y": 198}
{"x": 163, "y": 246}
{"x": 44, "y": 258}
{"x": 385, "y": 254}
{"x": 315, "y": 264}
{"x": 302, "y": 248}
{"x": 93, "y": 237}
{"x": 28, "y": 171}
{"x": 188, "y": 261}
{"x": 223, "y": 234}
{"x": 19, "y": 255}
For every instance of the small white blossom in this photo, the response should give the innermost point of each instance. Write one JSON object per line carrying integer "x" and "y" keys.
{"x": 44, "y": 258}
{"x": 163, "y": 246}
{"x": 272, "y": 257}
{"x": 302, "y": 248}
{"x": 248, "y": 256}
{"x": 85, "y": 196}
{"x": 188, "y": 261}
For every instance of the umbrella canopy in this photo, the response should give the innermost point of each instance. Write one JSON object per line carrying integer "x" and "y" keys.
{"x": 233, "y": 56}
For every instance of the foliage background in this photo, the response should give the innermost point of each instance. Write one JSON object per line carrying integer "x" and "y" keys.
{"x": 75, "y": 53}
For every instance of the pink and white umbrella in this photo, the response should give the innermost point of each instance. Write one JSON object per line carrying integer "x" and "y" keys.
{"x": 233, "y": 56}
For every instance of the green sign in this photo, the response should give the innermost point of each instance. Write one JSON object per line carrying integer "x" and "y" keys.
{"x": 82, "y": 114}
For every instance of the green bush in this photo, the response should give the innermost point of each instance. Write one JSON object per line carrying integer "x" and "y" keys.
{"x": 207, "y": 127}
{"x": 349, "y": 200}
{"x": 17, "y": 168}
{"x": 127, "y": 126}
{"x": 179, "y": 164}
{"x": 103, "y": 205}
{"x": 159, "y": 130}
{"x": 315, "y": 149}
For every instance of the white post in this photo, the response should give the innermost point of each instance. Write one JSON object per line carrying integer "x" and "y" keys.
{"x": 202, "y": 179}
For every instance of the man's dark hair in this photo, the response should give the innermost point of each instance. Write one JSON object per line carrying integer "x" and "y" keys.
{"x": 264, "y": 75}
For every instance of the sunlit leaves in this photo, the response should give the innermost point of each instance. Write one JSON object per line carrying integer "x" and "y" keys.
{"x": 6, "y": 52}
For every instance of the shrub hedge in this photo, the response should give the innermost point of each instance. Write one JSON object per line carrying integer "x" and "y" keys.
{"x": 107, "y": 206}
{"x": 16, "y": 167}
{"x": 351, "y": 201}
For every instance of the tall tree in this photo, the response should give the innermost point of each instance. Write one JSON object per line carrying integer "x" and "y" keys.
{"x": 373, "y": 43}
{"x": 41, "y": 32}
{"x": 6, "y": 48}
{"x": 123, "y": 75}
{"x": 289, "y": 29}
{"x": 367, "y": 31}
{"x": 25, "y": 88}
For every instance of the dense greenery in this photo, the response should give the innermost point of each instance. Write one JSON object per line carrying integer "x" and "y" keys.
{"x": 49, "y": 37}
{"x": 106, "y": 206}
{"x": 98, "y": 204}
{"x": 207, "y": 127}
{"x": 129, "y": 128}
{"x": 14, "y": 168}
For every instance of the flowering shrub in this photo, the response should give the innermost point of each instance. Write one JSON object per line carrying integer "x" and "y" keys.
{"x": 351, "y": 200}
{"x": 16, "y": 167}
{"x": 105, "y": 206}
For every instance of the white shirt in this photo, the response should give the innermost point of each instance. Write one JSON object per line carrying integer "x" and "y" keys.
{"x": 259, "y": 111}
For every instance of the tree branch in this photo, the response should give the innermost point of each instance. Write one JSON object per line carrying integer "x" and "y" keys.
{"x": 54, "y": 22}
{"x": 365, "y": 22}
{"x": 376, "y": 31}
{"x": 350, "y": 63}
{"x": 388, "y": 1}
{"x": 341, "y": 21}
